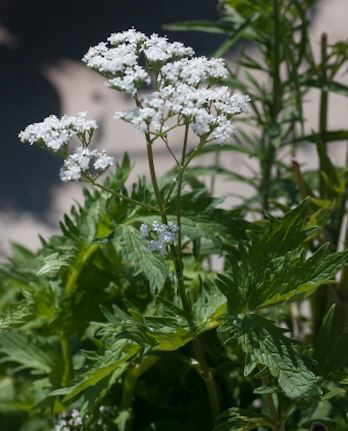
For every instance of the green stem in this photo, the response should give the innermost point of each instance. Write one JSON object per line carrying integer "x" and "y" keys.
{"x": 320, "y": 299}
{"x": 67, "y": 360}
{"x": 269, "y": 152}
{"x": 154, "y": 182}
{"x": 118, "y": 194}
{"x": 208, "y": 378}
{"x": 179, "y": 263}
{"x": 85, "y": 255}
{"x": 176, "y": 252}
{"x": 323, "y": 111}
{"x": 275, "y": 414}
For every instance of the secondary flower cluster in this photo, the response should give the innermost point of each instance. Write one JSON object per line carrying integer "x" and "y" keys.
{"x": 159, "y": 235}
{"x": 55, "y": 133}
{"x": 84, "y": 160}
{"x": 189, "y": 90}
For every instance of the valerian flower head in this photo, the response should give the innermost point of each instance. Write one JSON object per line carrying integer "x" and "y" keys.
{"x": 159, "y": 235}
{"x": 121, "y": 59}
{"x": 189, "y": 90}
{"x": 54, "y": 132}
{"x": 84, "y": 161}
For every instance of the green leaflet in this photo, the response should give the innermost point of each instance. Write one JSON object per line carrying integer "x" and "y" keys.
{"x": 111, "y": 365}
{"x": 135, "y": 251}
{"x": 266, "y": 345}
{"x": 273, "y": 266}
{"x": 29, "y": 351}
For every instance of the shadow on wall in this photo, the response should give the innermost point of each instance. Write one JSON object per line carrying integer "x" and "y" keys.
{"x": 46, "y": 32}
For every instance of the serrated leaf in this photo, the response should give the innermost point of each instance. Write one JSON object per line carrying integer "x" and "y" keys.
{"x": 29, "y": 351}
{"x": 135, "y": 251}
{"x": 266, "y": 345}
{"x": 112, "y": 364}
{"x": 273, "y": 266}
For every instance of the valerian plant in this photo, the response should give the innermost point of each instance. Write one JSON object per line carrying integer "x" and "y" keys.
{"x": 124, "y": 321}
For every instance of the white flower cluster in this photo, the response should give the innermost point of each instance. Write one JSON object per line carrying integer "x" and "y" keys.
{"x": 120, "y": 58}
{"x": 69, "y": 421}
{"x": 159, "y": 235}
{"x": 54, "y": 132}
{"x": 194, "y": 71}
{"x": 208, "y": 110}
{"x": 83, "y": 160}
{"x": 187, "y": 89}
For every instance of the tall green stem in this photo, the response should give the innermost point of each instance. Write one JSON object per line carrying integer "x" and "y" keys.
{"x": 269, "y": 152}
{"x": 320, "y": 299}
{"x": 67, "y": 360}
{"x": 176, "y": 252}
{"x": 153, "y": 175}
{"x": 323, "y": 110}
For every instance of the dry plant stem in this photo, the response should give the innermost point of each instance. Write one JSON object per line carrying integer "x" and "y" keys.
{"x": 67, "y": 360}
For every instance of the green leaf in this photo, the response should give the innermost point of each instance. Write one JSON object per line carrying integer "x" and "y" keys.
{"x": 199, "y": 25}
{"x": 329, "y": 136}
{"x": 266, "y": 345}
{"x": 29, "y": 351}
{"x": 218, "y": 170}
{"x": 137, "y": 254}
{"x": 213, "y": 148}
{"x": 234, "y": 36}
{"x": 331, "y": 86}
{"x": 236, "y": 419}
{"x": 330, "y": 347}
{"x": 273, "y": 265}
{"x": 111, "y": 365}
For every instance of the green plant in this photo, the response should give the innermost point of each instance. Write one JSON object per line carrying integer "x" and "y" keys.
{"x": 124, "y": 321}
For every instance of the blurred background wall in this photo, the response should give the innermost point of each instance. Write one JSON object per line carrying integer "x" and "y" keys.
{"x": 41, "y": 44}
